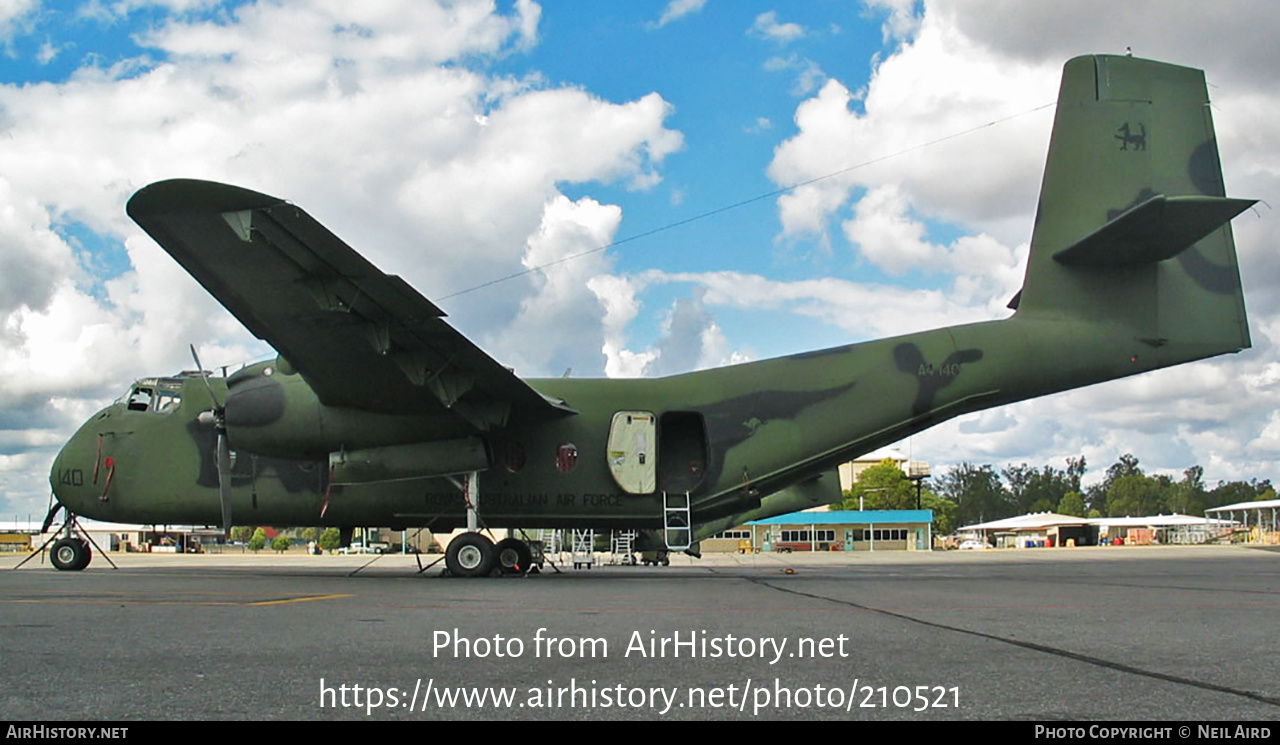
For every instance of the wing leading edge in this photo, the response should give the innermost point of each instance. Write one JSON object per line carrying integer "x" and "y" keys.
{"x": 362, "y": 339}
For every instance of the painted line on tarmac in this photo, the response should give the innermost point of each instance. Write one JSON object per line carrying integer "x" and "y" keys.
{"x": 1064, "y": 653}
{"x": 304, "y": 599}
{"x": 169, "y": 601}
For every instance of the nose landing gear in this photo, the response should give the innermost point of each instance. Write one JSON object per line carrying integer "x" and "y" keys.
{"x": 71, "y": 552}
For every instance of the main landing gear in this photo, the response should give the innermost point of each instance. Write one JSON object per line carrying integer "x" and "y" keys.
{"x": 514, "y": 556}
{"x": 472, "y": 554}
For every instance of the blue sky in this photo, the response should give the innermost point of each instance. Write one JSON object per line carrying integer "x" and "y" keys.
{"x": 701, "y": 63}
{"x": 461, "y": 143}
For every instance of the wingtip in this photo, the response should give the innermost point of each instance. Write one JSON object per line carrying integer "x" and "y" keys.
{"x": 182, "y": 195}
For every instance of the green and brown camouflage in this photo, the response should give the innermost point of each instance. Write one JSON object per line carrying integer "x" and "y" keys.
{"x": 376, "y": 407}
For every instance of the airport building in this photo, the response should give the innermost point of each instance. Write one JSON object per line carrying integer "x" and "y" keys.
{"x": 836, "y": 530}
{"x": 26, "y": 535}
{"x": 1255, "y": 522}
{"x": 1049, "y": 530}
{"x": 849, "y": 472}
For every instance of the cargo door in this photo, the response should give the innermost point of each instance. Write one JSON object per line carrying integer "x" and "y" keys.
{"x": 632, "y": 461}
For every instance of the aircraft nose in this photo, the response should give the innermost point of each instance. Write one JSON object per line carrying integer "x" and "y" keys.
{"x": 71, "y": 474}
{"x": 55, "y": 476}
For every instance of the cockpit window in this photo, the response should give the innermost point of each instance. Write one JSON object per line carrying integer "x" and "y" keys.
{"x": 140, "y": 399}
{"x": 167, "y": 401}
{"x": 148, "y": 398}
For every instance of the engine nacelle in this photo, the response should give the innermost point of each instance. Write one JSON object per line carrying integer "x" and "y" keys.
{"x": 412, "y": 461}
{"x": 272, "y": 412}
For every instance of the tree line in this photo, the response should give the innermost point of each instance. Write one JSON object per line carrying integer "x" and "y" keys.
{"x": 969, "y": 494}
{"x": 255, "y": 539}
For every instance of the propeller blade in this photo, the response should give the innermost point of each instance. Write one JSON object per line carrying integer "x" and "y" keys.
{"x": 224, "y": 481}
{"x": 204, "y": 376}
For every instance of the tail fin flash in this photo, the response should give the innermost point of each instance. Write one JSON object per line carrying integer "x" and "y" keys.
{"x": 1133, "y": 222}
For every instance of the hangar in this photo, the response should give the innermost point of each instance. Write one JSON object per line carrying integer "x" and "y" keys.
{"x": 1257, "y": 519}
{"x": 1049, "y": 529}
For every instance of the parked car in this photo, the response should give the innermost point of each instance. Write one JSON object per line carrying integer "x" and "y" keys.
{"x": 358, "y": 548}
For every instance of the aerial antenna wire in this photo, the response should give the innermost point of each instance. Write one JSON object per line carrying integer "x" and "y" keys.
{"x": 727, "y": 208}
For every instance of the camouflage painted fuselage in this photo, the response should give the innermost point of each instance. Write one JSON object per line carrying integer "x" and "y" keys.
{"x": 1132, "y": 268}
{"x": 768, "y": 426}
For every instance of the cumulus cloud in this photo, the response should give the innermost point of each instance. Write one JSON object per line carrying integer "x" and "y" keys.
{"x": 34, "y": 257}
{"x": 917, "y": 102}
{"x": 862, "y": 310}
{"x": 690, "y": 337}
{"x": 885, "y": 233}
{"x": 685, "y": 333}
{"x": 560, "y": 326}
{"x": 618, "y": 296}
{"x": 383, "y": 122}
{"x": 1237, "y": 45}
{"x": 285, "y": 114}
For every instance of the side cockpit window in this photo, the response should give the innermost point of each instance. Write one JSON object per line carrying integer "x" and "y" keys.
{"x": 167, "y": 401}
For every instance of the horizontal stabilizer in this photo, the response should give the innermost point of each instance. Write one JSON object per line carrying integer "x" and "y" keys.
{"x": 1158, "y": 229}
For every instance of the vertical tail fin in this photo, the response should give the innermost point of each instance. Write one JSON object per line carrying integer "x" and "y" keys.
{"x": 1133, "y": 222}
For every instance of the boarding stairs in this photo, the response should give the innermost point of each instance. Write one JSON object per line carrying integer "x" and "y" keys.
{"x": 677, "y": 523}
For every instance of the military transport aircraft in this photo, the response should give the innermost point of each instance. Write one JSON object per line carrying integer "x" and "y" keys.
{"x": 377, "y": 412}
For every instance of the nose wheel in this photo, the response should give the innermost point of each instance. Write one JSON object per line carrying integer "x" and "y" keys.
{"x": 70, "y": 554}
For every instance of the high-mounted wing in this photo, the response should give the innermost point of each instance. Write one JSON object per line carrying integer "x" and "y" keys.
{"x": 361, "y": 338}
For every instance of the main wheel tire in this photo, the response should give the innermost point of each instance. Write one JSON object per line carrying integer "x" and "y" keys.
{"x": 71, "y": 554}
{"x": 514, "y": 556}
{"x": 470, "y": 555}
